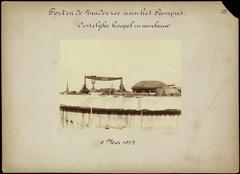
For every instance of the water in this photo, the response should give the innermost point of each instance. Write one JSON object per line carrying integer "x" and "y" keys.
{"x": 101, "y": 121}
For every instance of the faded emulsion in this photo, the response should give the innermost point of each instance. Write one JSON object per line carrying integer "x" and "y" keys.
{"x": 148, "y": 105}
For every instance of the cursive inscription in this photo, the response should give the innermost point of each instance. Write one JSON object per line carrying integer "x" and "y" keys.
{"x": 117, "y": 142}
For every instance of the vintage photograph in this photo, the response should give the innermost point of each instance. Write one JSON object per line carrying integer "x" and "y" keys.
{"x": 120, "y": 84}
{"x": 119, "y": 87}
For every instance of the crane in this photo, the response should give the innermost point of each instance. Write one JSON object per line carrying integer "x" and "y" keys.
{"x": 94, "y": 78}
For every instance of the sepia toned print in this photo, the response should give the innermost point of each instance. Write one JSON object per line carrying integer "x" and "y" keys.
{"x": 55, "y": 61}
{"x": 103, "y": 102}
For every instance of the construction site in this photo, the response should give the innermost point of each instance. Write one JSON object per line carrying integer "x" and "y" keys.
{"x": 149, "y": 105}
{"x": 142, "y": 88}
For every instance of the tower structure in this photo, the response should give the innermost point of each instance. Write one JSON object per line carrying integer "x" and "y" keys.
{"x": 67, "y": 89}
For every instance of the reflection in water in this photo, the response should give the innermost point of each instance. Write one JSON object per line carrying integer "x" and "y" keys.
{"x": 102, "y": 121}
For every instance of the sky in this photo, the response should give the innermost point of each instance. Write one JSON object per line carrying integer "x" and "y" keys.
{"x": 134, "y": 60}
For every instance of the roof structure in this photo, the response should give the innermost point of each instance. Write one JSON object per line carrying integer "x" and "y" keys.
{"x": 153, "y": 84}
